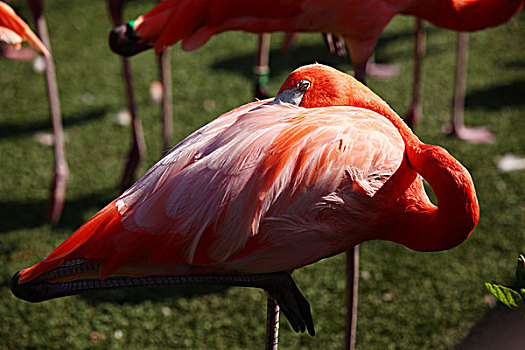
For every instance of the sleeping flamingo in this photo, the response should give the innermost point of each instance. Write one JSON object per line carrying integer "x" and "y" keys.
{"x": 14, "y": 31}
{"x": 265, "y": 189}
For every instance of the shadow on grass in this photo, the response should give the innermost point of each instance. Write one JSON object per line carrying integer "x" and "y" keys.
{"x": 16, "y": 129}
{"x": 517, "y": 64}
{"x": 496, "y": 97}
{"x": 17, "y": 215}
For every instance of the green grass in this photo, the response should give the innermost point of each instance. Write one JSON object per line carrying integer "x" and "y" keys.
{"x": 438, "y": 297}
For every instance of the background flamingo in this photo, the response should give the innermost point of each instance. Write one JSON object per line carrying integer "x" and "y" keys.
{"x": 359, "y": 23}
{"x": 163, "y": 27}
{"x": 137, "y": 151}
{"x": 269, "y": 187}
{"x": 57, "y": 194}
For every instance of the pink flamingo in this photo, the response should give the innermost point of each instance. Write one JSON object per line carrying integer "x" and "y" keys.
{"x": 265, "y": 189}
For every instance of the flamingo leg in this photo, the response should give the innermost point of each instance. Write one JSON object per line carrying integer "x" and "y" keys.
{"x": 335, "y": 44}
{"x": 137, "y": 151}
{"x": 458, "y": 128}
{"x": 272, "y": 324}
{"x": 58, "y": 186}
{"x": 289, "y": 41}
{"x": 352, "y": 260}
{"x": 262, "y": 68}
{"x": 413, "y": 116}
{"x": 360, "y": 71}
{"x": 352, "y": 286}
{"x": 279, "y": 285}
{"x": 167, "y": 98}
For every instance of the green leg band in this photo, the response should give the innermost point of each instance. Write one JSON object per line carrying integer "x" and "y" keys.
{"x": 262, "y": 75}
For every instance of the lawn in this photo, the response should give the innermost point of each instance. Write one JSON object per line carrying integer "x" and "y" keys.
{"x": 408, "y": 300}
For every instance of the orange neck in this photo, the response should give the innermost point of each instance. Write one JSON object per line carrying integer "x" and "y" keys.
{"x": 424, "y": 227}
{"x": 415, "y": 222}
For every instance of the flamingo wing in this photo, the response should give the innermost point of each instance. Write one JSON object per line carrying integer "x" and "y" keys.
{"x": 217, "y": 199}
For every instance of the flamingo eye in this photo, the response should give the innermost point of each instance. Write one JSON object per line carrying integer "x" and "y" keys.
{"x": 303, "y": 85}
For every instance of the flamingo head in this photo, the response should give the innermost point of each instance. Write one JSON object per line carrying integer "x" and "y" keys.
{"x": 317, "y": 85}
{"x": 124, "y": 41}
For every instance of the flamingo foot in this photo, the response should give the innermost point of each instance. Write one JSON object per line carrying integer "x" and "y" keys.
{"x": 470, "y": 134}
{"x": 382, "y": 71}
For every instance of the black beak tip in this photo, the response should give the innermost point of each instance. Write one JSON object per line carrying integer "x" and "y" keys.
{"x": 16, "y": 288}
{"x": 26, "y": 291}
{"x": 123, "y": 41}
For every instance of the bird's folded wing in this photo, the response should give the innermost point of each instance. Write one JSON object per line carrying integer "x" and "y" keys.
{"x": 210, "y": 193}
{"x": 207, "y": 201}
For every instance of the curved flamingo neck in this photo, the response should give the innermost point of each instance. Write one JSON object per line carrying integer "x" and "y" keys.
{"x": 415, "y": 222}
{"x": 464, "y": 15}
{"x": 425, "y": 227}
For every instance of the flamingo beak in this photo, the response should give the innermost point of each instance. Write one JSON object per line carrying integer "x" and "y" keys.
{"x": 294, "y": 95}
{"x": 124, "y": 41}
{"x": 21, "y": 292}
{"x": 58, "y": 282}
